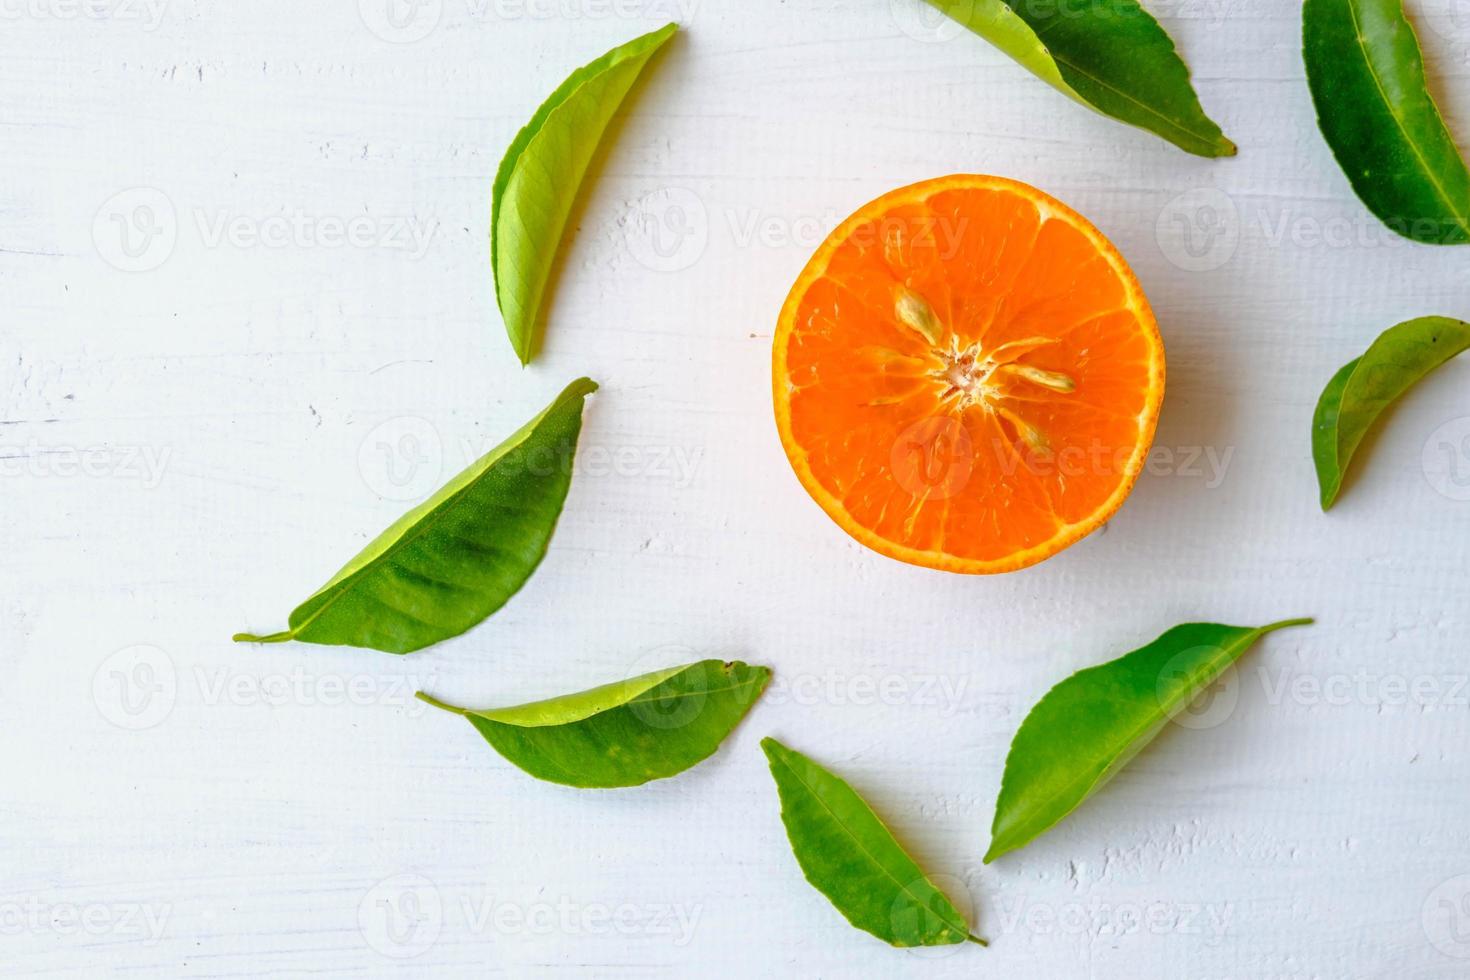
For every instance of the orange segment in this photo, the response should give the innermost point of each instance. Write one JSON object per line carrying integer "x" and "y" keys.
{"x": 967, "y": 375}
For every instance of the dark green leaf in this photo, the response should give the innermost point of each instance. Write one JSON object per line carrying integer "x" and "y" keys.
{"x": 1093, "y": 723}
{"x": 1360, "y": 392}
{"x": 538, "y": 179}
{"x": 627, "y": 733}
{"x": 1109, "y": 55}
{"x": 459, "y": 556}
{"x": 848, "y": 855}
{"x": 1367, "y": 78}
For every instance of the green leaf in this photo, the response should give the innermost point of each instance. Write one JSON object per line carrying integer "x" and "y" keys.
{"x": 848, "y": 855}
{"x": 460, "y": 555}
{"x": 1366, "y": 74}
{"x": 1093, "y": 723}
{"x": 1364, "y": 388}
{"x": 1109, "y": 55}
{"x": 627, "y": 733}
{"x": 538, "y": 179}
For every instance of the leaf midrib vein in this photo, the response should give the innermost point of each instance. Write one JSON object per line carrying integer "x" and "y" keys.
{"x": 871, "y": 857}
{"x": 1462, "y": 219}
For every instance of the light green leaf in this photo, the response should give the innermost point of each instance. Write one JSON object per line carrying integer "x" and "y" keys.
{"x": 1366, "y": 74}
{"x": 1109, "y": 55}
{"x": 1364, "y": 388}
{"x": 1093, "y": 723}
{"x": 460, "y": 555}
{"x": 848, "y": 855}
{"x": 538, "y": 179}
{"x": 627, "y": 733}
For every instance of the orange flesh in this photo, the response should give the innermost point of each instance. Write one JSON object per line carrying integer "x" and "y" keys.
{"x": 967, "y": 375}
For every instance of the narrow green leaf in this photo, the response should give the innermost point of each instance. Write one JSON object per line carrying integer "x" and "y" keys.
{"x": 538, "y": 179}
{"x": 848, "y": 855}
{"x": 460, "y": 555}
{"x": 1093, "y": 723}
{"x": 627, "y": 733}
{"x": 1366, "y": 74}
{"x": 1109, "y": 55}
{"x": 1364, "y": 388}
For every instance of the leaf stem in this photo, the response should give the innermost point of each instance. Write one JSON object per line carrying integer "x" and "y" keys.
{"x": 977, "y": 940}
{"x": 1305, "y": 621}
{"x": 430, "y": 699}
{"x": 280, "y": 637}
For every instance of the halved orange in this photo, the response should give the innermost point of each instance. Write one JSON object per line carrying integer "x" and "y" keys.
{"x": 967, "y": 375}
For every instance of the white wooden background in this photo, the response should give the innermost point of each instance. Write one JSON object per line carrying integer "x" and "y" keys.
{"x": 248, "y": 319}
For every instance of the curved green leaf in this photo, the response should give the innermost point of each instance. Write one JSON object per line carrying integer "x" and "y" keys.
{"x": 627, "y": 733}
{"x": 459, "y": 556}
{"x": 848, "y": 855}
{"x": 1366, "y": 74}
{"x": 1109, "y": 55}
{"x": 1093, "y": 723}
{"x": 1360, "y": 392}
{"x": 537, "y": 182}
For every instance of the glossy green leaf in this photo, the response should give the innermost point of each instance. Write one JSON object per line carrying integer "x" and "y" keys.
{"x": 460, "y": 555}
{"x": 1366, "y": 74}
{"x": 538, "y": 179}
{"x": 848, "y": 855}
{"x": 1360, "y": 392}
{"x": 1109, "y": 55}
{"x": 1093, "y": 723}
{"x": 627, "y": 733}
